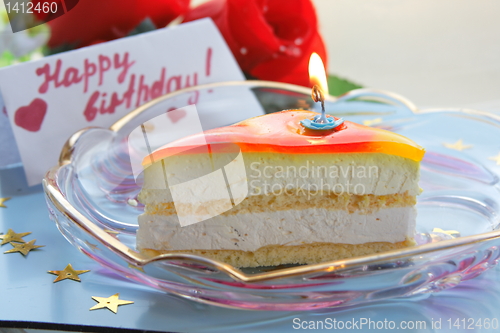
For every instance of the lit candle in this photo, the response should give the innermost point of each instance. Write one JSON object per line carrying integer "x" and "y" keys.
{"x": 317, "y": 75}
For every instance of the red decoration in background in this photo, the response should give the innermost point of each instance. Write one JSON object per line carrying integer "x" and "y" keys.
{"x": 93, "y": 21}
{"x": 271, "y": 39}
{"x": 30, "y": 117}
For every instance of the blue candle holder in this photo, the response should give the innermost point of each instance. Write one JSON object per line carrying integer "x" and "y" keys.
{"x": 317, "y": 124}
{"x": 320, "y": 122}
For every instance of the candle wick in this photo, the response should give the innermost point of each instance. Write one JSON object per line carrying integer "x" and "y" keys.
{"x": 317, "y": 96}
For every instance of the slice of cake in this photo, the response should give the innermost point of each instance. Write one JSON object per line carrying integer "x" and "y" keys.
{"x": 268, "y": 191}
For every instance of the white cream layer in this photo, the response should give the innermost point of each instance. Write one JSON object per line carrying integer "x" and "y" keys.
{"x": 248, "y": 232}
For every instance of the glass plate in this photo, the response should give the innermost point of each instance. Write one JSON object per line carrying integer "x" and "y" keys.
{"x": 91, "y": 196}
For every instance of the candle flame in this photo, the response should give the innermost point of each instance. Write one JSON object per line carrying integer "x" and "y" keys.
{"x": 317, "y": 73}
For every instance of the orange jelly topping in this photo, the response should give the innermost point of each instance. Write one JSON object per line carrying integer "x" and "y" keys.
{"x": 282, "y": 132}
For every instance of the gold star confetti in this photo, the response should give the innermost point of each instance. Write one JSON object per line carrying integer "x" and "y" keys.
{"x": 2, "y": 200}
{"x": 452, "y": 233}
{"x": 112, "y": 233}
{"x": 93, "y": 247}
{"x": 112, "y": 302}
{"x": 68, "y": 273}
{"x": 11, "y": 236}
{"x": 371, "y": 122}
{"x": 24, "y": 248}
{"x": 136, "y": 267}
{"x": 495, "y": 158}
{"x": 459, "y": 145}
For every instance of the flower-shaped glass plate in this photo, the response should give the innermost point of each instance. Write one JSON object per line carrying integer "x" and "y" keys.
{"x": 92, "y": 197}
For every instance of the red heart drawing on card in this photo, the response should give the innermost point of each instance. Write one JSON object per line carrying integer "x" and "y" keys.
{"x": 30, "y": 117}
{"x": 176, "y": 114}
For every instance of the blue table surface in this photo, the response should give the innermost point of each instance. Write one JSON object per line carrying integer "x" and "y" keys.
{"x": 29, "y": 298}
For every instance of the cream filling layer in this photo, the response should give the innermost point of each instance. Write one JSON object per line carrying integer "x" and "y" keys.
{"x": 213, "y": 176}
{"x": 249, "y": 232}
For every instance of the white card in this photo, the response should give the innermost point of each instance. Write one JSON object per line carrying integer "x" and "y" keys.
{"x": 50, "y": 99}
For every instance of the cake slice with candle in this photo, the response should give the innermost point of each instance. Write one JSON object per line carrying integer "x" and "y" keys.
{"x": 308, "y": 196}
{"x": 293, "y": 187}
